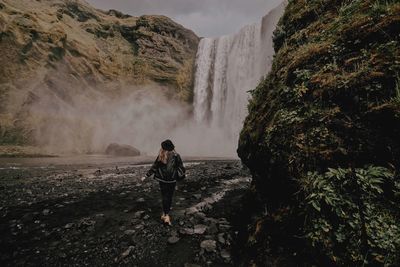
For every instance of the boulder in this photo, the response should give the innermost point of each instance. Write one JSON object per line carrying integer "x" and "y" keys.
{"x": 200, "y": 229}
{"x": 209, "y": 245}
{"x": 173, "y": 240}
{"x": 118, "y": 150}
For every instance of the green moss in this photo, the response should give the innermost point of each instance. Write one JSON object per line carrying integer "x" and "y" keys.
{"x": 330, "y": 101}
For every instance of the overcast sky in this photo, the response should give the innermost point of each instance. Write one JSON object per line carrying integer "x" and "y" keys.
{"x": 206, "y": 18}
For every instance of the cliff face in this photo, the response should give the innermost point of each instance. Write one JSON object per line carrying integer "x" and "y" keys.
{"x": 67, "y": 47}
{"x": 322, "y": 134}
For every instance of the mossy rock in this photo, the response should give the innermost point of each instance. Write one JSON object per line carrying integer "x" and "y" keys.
{"x": 330, "y": 101}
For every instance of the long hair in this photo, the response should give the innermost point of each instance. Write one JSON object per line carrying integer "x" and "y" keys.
{"x": 163, "y": 155}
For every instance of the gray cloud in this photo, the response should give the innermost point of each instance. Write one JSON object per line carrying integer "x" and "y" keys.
{"x": 205, "y": 17}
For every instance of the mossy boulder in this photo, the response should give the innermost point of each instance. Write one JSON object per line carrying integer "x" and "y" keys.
{"x": 330, "y": 102}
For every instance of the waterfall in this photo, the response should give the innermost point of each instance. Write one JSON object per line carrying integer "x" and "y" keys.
{"x": 226, "y": 69}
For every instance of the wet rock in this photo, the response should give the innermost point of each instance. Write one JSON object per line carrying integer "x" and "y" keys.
{"x": 173, "y": 240}
{"x": 129, "y": 232}
{"x": 122, "y": 150}
{"x": 62, "y": 255}
{"x": 221, "y": 238}
{"x": 86, "y": 222}
{"x": 225, "y": 255}
{"x": 127, "y": 252}
{"x": 138, "y": 214}
{"x": 224, "y": 227}
{"x": 200, "y": 229}
{"x": 146, "y": 217}
{"x": 191, "y": 265}
{"x": 135, "y": 221}
{"x": 186, "y": 231}
{"x": 69, "y": 226}
{"x": 192, "y": 210}
{"x": 46, "y": 212}
{"x": 197, "y": 196}
{"x": 140, "y": 200}
{"x": 223, "y": 221}
{"x": 174, "y": 233}
{"x": 209, "y": 245}
{"x": 139, "y": 227}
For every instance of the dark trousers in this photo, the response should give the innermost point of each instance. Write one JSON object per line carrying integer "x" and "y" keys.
{"x": 167, "y": 191}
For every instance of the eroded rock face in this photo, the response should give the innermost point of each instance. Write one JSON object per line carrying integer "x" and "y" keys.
{"x": 61, "y": 49}
{"x": 122, "y": 150}
{"x": 330, "y": 101}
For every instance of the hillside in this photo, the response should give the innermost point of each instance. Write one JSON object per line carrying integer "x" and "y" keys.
{"x": 66, "y": 48}
{"x": 322, "y": 137}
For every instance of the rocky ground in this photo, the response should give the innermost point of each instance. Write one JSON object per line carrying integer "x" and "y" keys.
{"x": 91, "y": 216}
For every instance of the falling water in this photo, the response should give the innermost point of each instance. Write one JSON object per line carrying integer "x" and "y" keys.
{"x": 226, "y": 69}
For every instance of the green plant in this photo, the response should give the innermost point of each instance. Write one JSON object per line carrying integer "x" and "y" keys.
{"x": 353, "y": 216}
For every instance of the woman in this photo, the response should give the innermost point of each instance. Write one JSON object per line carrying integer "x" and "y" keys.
{"x": 167, "y": 169}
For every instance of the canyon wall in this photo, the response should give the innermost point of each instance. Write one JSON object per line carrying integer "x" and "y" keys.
{"x": 69, "y": 72}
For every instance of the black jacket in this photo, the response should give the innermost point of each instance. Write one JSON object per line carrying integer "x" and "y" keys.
{"x": 159, "y": 169}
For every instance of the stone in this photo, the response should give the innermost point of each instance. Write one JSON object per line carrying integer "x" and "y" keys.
{"x": 127, "y": 252}
{"x": 46, "y": 212}
{"x": 209, "y": 245}
{"x": 200, "y": 229}
{"x": 68, "y": 225}
{"x": 138, "y": 214}
{"x": 173, "y": 240}
{"x": 225, "y": 255}
{"x": 192, "y": 210}
{"x": 223, "y": 221}
{"x": 197, "y": 196}
{"x": 118, "y": 150}
{"x": 174, "y": 233}
{"x": 224, "y": 227}
{"x": 221, "y": 238}
{"x": 139, "y": 227}
{"x": 186, "y": 231}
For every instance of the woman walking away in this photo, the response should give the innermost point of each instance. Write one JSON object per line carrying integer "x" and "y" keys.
{"x": 167, "y": 169}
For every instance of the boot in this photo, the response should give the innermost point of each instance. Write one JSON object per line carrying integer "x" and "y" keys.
{"x": 167, "y": 220}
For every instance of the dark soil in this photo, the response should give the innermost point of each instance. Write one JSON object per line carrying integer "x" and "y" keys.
{"x": 85, "y": 216}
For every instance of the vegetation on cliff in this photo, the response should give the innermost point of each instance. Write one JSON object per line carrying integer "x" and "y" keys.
{"x": 322, "y": 134}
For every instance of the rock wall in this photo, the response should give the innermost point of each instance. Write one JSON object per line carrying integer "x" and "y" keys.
{"x": 66, "y": 48}
{"x": 321, "y": 128}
